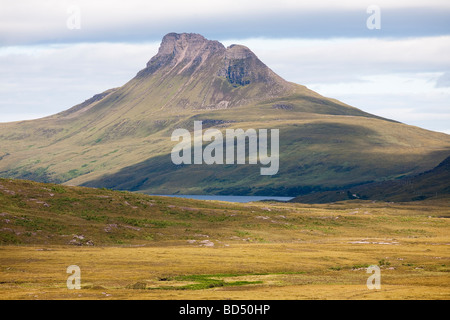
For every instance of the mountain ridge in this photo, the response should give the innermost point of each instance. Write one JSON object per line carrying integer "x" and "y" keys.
{"x": 123, "y": 134}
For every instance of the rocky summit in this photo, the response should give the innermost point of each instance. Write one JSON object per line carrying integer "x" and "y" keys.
{"x": 192, "y": 57}
{"x": 121, "y": 138}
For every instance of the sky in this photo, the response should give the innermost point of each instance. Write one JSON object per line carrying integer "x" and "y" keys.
{"x": 389, "y": 58}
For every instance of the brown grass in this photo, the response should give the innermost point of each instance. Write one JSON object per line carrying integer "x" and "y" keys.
{"x": 161, "y": 248}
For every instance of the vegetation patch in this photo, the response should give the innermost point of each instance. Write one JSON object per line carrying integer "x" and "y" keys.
{"x": 206, "y": 281}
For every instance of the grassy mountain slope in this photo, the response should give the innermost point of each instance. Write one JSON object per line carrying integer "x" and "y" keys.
{"x": 38, "y": 213}
{"x": 434, "y": 183}
{"x": 308, "y": 161}
{"x": 121, "y": 137}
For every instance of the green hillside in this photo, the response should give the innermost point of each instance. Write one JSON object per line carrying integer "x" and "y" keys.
{"x": 432, "y": 184}
{"x": 33, "y": 213}
{"x": 120, "y": 138}
{"x": 135, "y": 246}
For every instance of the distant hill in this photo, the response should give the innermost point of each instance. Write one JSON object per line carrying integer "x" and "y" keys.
{"x": 121, "y": 138}
{"x": 434, "y": 183}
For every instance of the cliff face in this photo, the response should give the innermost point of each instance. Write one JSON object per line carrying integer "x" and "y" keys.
{"x": 187, "y": 49}
{"x": 225, "y": 77}
{"x": 241, "y": 67}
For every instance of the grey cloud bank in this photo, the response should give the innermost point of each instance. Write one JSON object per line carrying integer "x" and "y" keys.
{"x": 112, "y": 25}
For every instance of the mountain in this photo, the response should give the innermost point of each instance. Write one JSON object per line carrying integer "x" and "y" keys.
{"x": 121, "y": 138}
{"x": 434, "y": 183}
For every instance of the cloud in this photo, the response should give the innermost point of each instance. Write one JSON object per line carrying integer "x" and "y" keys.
{"x": 426, "y": 110}
{"x": 43, "y": 80}
{"x": 347, "y": 60}
{"x": 443, "y": 81}
{"x": 37, "y": 22}
{"x": 411, "y": 98}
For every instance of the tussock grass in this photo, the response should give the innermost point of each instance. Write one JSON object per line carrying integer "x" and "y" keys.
{"x": 136, "y": 246}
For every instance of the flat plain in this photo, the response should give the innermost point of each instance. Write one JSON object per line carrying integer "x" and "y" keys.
{"x": 133, "y": 246}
